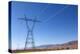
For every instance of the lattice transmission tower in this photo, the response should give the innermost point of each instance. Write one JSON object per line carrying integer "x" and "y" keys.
{"x": 29, "y": 43}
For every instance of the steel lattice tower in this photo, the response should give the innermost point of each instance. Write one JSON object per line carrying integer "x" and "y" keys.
{"x": 30, "y": 36}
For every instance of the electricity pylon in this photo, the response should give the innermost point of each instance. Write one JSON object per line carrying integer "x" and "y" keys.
{"x": 30, "y": 36}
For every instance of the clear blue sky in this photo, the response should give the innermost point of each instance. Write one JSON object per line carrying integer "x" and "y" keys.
{"x": 58, "y": 23}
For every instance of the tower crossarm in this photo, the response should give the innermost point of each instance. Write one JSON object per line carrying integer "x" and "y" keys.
{"x": 33, "y": 20}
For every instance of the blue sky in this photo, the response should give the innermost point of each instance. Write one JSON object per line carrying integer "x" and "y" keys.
{"x": 58, "y": 23}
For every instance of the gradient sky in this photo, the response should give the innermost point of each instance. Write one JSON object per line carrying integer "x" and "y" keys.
{"x": 58, "y": 23}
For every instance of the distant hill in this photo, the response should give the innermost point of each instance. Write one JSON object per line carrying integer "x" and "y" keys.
{"x": 68, "y": 45}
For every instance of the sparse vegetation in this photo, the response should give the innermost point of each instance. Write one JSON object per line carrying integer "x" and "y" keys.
{"x": 66, "y": 46}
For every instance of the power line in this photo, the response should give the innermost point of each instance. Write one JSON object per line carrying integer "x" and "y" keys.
{"x": 58, "y": 12}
